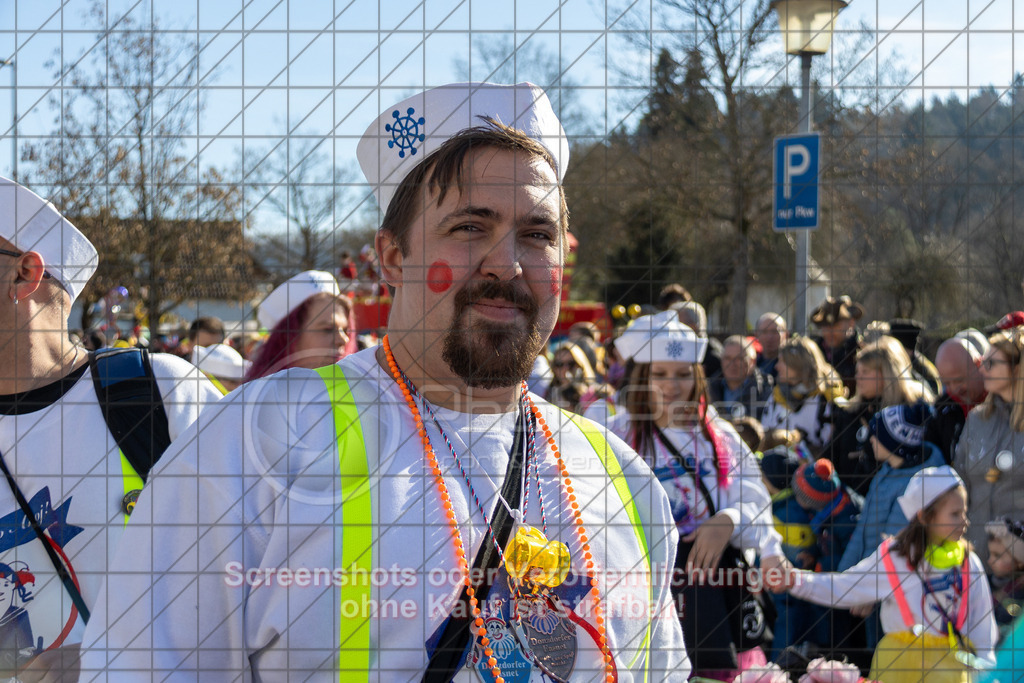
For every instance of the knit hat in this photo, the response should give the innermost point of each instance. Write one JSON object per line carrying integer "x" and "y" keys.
{"x": 926, "y": 486}
{"x": 407, "y": 132}
{"x": 1011, "y": 533}
{"x": 292, "y": 293}
{"x": 779, "y": 465}
{"x": 974, "y": 342}
{"x": 901, "y": 430}
{"x": 661, "y": 337}
{"x": 31, "y": 223}
{"x": 817, "y": 485}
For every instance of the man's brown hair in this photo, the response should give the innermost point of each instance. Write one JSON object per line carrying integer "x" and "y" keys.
{"x": 444, "y": 169}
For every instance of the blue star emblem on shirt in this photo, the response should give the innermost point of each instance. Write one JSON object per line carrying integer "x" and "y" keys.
{"x": 674, "y": 349}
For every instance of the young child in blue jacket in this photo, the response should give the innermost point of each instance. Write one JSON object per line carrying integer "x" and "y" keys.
{"x": 795, "y": 618}
{"x": 834, "y": 511}
{"x": 896, "y": 434}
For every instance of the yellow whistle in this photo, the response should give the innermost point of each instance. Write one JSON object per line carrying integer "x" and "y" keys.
{"x": 532, "y": 557}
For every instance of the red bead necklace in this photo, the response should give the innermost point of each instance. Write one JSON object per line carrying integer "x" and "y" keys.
{"x": 460, "y": 551}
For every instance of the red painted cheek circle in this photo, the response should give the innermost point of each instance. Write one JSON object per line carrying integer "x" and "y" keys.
{"x": 556, "y": 280}
{"x": 439, "y": 277}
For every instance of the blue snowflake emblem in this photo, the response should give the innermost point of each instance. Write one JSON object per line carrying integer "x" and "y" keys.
{"x": 674, "y": 348}
{"x": 405, "y": 132}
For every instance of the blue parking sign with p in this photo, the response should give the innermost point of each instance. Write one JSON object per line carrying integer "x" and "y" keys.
{"x": 795, "y": 202}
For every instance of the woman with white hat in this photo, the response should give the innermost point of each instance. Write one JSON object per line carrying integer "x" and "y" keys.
{"x": 310, "y": 323}
{"x": 719, "y": 502}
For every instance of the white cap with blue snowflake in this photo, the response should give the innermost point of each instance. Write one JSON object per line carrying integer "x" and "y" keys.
{"x": 406, "y": 133}
{"x": 661, "y": 337}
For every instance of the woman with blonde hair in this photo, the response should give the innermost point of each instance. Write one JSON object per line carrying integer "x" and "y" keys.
{"x": 990, "y": 453}
{"x": 885, "y": 377}
{"x": 885, "y": 370}
{"x": 804, "y": 396}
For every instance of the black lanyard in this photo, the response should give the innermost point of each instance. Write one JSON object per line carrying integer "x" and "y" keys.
{"x": 58, "y": 564}
{"x": 958, "y": 590}
{"x": 674, "y": 452}
{"x": 444, "y": 662}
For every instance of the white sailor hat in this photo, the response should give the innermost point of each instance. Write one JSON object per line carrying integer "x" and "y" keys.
{"x": 291, "y": 293}
{"x": 220, "y": 360}
{"x": 31, "y": 223}
{"x": 406, "y": 133}
{"x": 925, "y": 487}
{"x": 661, "y": 337}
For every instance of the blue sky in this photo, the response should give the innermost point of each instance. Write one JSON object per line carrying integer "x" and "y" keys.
{"x": 334, "y": 64}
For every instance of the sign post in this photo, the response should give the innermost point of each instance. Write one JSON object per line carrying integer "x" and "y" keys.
{"x": 795, "y": 199}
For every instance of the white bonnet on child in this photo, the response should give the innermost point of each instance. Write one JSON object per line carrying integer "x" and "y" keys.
{"x": 926, "y": 487}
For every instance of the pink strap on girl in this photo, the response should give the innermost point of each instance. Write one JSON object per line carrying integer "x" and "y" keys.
{"x": 897, "y": 589}
{"x": 717, "y": 445}
{"x": 901, "y": 597}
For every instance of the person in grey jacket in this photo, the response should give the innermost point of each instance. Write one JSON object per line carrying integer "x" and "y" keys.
{"x": 990, "y": 453}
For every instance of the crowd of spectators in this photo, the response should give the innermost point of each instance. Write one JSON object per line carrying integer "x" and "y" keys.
{"x": 823, "y": 434}
{"x": 845, "y": 418}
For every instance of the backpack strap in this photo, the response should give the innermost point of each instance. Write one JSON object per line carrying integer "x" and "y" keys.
{"x": 132, "y": 406}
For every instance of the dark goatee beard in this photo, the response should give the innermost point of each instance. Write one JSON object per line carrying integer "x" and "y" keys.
{"x": 488, "y": 354}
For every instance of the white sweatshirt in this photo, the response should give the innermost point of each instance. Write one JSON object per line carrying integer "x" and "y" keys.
{"x": 745, "y": 499}
{"x": 254, "y": 493}
{"x": 867, "y": 582}
{"x": 66, "y": 463}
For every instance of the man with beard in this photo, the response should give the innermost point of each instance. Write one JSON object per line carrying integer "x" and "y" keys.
{"x": 384, "y": 517}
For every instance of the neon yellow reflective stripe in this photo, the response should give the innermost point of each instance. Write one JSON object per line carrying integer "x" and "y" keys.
{"x": 217, "y": 383}
{"x": 356, "y": 532}
{"x": 130, "y": 479}
{"x": 614, "y": 470}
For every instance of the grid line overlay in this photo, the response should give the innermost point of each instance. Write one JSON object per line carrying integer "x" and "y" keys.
{"x": 229, "y": 116}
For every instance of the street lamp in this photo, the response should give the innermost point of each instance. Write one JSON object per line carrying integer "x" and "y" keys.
{"x": 14, "y": 114}
{"x": 806, "y": 27}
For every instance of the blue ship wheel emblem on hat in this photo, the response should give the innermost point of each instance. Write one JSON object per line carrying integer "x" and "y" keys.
{"x": 405, "y": 132}
{"x": 674, "y": 349}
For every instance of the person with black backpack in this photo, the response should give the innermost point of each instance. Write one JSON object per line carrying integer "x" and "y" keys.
{"x": 79, "y": 433}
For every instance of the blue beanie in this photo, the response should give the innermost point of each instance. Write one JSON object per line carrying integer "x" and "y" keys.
{"x": 901, "y": 430}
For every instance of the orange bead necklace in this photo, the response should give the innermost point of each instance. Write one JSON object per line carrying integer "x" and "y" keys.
{"x": 460, "y": 550}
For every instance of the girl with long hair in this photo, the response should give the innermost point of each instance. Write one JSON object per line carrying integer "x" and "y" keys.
{"x": 720, "y": 505}
{"x": 936, "y": 607}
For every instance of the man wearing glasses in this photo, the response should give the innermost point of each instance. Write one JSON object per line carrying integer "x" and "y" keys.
{"x": 66, "y": 488}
